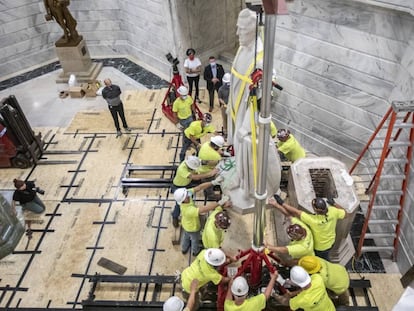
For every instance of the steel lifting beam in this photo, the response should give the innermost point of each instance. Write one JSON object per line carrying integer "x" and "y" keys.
{"x": 164, "y": 176}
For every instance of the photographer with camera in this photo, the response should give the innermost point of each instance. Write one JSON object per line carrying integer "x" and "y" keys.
{"x": 26, "y": 194}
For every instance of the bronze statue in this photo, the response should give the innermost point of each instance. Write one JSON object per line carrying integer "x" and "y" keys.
{"x": 58, "y": 10}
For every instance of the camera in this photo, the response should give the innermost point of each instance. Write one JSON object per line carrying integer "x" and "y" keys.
{"x": 40, "y": 191}
{"x": 173, "y": 61}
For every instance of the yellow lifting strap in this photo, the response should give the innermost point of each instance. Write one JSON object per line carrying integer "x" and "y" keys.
{"x": 245, "y": 79}
{"x": 253, "y": 110}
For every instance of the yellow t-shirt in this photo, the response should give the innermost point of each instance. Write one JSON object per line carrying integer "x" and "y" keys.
{"x": 195, "y": 129}
{"x": 255, "y": 303}
{"x": 183, "y": 107}
{"x": 190, "y": 220}
{"x": 314, "y": 298}
{"x": 212, "y": 236}
{"x": 182, "y": 175}
{"x": 323, "y": 227}
{"x": 207, "y": 153}
{"x": 334, "y": 275}
{"x": 273, "y": 129}
{"x": 200, "y": 270}
{"x": 291, "y": 149}
{"x": 304, "y": 247}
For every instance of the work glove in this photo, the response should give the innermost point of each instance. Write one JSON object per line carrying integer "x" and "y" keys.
{"x": 330, "y": 201}
{"x": 278, "y": 199}
{"x": 223, "y": 200}
{"x": 40, "y": 191}
{"x": 217, "y": 182}
{"x": 226, "y": 154}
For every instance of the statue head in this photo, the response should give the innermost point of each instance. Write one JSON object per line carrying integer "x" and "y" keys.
{"x": 246, "y": 27}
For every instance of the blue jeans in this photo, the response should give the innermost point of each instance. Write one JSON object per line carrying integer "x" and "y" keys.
{"x": 186, "y": 144}
{"x": 186, "y": 122}
{"x": 35, "y": 206}
{"x": 190, "y": 238}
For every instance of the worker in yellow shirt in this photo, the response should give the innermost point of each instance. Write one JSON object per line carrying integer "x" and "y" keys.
{"x": 204, "y": 268}
{"x": 301, "y": 243}
{"x": 217, "y": 222}
{"x": 175, "y": 303}
{"x": 187, "y": 175}
{"x": 289, "y": 146}
{"x": 322, "y": 223}
{"x": 335, "y": 276}
{"x": 194, "y": 132}
{"x": 211, "y": 153}
{"x": 183, "y": 108}
{"x": 190, "y": 215}
{"x": 273, "y": 130}
{"x": 312, "y": 295}
{"x": 236, "y": 298}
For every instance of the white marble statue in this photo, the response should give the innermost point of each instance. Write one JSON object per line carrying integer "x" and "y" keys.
{"x": 239, "y": 109}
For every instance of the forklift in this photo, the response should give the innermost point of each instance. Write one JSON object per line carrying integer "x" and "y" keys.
{"x": 19, "y": 146}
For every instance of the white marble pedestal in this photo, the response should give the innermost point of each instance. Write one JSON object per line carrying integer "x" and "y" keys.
{"x": 76, "y": 60}
{"x": 323, "y": 177}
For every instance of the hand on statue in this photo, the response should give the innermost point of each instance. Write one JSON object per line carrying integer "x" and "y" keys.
{"x": 228, "y": 204}
{"x": 216, "y": 182}
{"x": 214, "y": 172}
{"x": 223, "y": 200}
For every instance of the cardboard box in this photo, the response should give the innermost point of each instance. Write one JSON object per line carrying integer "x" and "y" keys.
{"x": 90, "y": 88}
{"x": 76, "y": 92}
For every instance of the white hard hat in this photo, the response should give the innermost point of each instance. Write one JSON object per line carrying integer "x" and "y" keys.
{"x": 299, "y": 276}
{"x": 173, "y": 304}
{"x": 226, "y": 78}
{"x": 193, "y": 162}
{"x": 239, "y": 286}
{"x": 217, "y": 140}
{"x": 182, "y": 90}
{"x": 180, "y": 194}
{"x": 214, "y": 256}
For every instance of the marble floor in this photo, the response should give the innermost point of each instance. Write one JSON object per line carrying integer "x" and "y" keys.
{"x": 39, "y": 98}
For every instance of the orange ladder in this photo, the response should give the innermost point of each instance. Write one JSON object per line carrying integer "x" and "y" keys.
{"x": 384, "y": 167}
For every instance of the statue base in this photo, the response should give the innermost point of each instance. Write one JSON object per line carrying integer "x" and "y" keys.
{"x": 76, "y": 60}
{"x": 323, "y": 177}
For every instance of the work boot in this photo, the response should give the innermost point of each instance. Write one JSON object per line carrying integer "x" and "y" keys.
{"x": 176, "y": 222}
{"x": 118, "y": 133}
{"x": 127, "y": 129}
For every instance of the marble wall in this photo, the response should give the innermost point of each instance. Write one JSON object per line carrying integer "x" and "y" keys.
{"x": 341, "y": 63}
{"x": 143, "y": 30}
{"x": 27, "y": 39}
{"x": 338, "y": 63}
{"x": 400, "y": 5}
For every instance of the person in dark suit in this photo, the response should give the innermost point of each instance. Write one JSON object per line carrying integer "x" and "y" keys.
{"x": 213, "y": 74}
